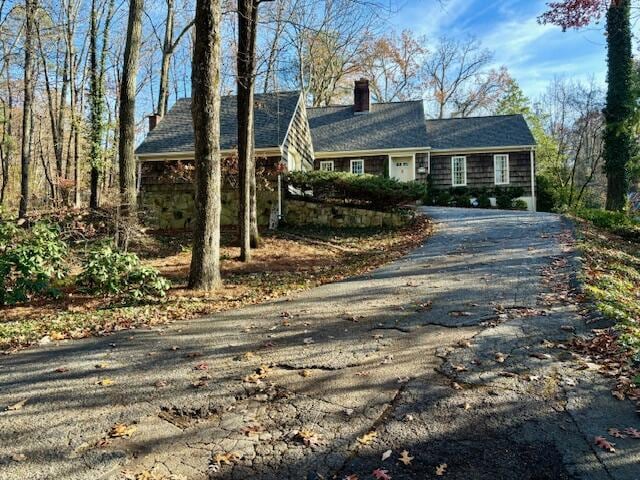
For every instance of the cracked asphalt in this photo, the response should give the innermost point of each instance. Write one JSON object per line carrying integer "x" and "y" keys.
{"x": 454, "y": 353}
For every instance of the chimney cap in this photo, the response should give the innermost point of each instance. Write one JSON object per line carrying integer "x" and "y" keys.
{"x": 154, "y": 119}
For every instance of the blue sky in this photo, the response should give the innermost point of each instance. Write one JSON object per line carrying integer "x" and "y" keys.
{"x": 533, "y": 53}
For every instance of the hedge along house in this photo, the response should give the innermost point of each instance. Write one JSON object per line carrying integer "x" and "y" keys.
{"x": 166, "y": 159}
{"x": 393, "y": 139}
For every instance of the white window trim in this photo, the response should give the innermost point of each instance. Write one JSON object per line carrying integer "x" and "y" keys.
{"x": 453, "y": 176}
{"x": 495, "y": 168}
{"x": 328, "y": 162}
{"x": 351, "y": 162}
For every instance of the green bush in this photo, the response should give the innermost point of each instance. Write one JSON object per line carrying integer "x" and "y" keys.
{"x": 545, "y": 196}
{"x": 31, "y": 260}
{"x": 505, "y": 196}
{"x": 371, "y": 191}
{"x": 520, "y": 204}
{"x": 443, "y": 198}
{"x": 619, "y": 223}
{"x": 108, "y": 271}
{"x": 484, "y": 201}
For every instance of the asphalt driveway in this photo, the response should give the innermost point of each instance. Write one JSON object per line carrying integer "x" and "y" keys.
{"x": 453, "y": 354}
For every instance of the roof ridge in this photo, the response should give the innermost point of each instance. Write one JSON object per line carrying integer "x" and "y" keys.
{"x": 373, "y": 103}
{"x": 471, "y": 118}
{"x": 286, "y": 92}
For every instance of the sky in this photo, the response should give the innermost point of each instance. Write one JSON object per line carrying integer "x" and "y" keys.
{"x": 533, "y": 53}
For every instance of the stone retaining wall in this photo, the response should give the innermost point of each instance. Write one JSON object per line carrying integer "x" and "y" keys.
{"x": 172, "y": 207}
{"x": 298, "y": 212}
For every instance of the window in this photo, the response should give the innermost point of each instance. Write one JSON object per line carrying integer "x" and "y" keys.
{"x": 327, "y": 166}
{"x": 357, "y": 167}
{"x": 459, "y": 171}
{"x": 501, "y": 169}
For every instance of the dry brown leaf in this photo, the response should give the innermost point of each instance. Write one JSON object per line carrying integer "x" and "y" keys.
{"x": 604, "y": 444}
{"x": 105, "y": 382}
{"x": 368, "y": 438}
{"x": 386, "y": 455}
{"x": 441, "y": 469}
{"x": 121, "y": 430}
{"x": 18, "y": 457}
{"x": 226, "y": 458}
{"x": 18, "y": 406}
{"x": 309, "y": 437}
{"x": 405, "y": 458}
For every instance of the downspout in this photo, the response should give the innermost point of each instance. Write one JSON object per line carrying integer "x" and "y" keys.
{"x": 533, "y": 180}
{"x": 279, "y": 196}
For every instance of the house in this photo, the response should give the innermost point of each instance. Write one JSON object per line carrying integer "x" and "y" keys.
{"x": 390, "y": 139}
{"x": 394, "y": 139}
{"x": 165, "y": 158}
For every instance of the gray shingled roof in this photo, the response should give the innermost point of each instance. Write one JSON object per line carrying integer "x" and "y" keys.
{"x": 386, "y": 126}
{"x": 479, "y": 132}
{"x": 174, "y": 133}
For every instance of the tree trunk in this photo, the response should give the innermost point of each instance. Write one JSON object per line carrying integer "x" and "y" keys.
{"x": 167, "y": 50}
{"x": 619, "y": 109}
{"x": 127, "y": 111}
{"x": 205, "y": 109}
{"x": 245, "y": 87}
{"x": 31, "y": 7}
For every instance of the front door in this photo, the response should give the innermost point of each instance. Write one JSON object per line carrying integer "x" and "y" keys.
{"x": 402, "y": 168}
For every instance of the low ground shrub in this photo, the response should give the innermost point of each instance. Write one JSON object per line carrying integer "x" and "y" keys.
{"x": 107, "y": 271}
{"x": 31, "y": 261}
{"x": 371, "y": 191}
{"x": 620, "y": 223}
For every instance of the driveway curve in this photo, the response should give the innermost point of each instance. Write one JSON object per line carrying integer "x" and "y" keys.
{"x": 453, "y": 354}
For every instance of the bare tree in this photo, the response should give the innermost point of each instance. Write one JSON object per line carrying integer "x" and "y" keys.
{"x": 572, "y": 116}
{"x": 128, "y": 111}
{"x": 169, "y": 45}
{"x": 393, "y": 64}
{"x": 31, "y": 9}
{"x": 205, "y": 261}
{"x": 458, "y": 78}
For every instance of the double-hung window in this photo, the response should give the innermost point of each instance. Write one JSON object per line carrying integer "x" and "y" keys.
{"x": 501, "y": 169}
{"x": 459, "y": 171}
{"x": 327, "y": 166}
{"x": 357, "y": 167}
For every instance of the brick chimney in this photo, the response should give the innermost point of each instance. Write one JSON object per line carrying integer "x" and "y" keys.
{"x": 153, "y": 121}
{"x": 361, "y": 99}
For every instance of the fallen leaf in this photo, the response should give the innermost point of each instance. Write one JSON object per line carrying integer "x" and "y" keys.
{"x": 604, "y": 444}
{"x": 456, "y": 386}
{"x": 458, "y": 313}
{"x": 18, "y": 406}
{"x": 101, "y": 365}
{"x": 226, "y": 458}
{"x": 308, "y": 341}
{"x": 305, "y": 373}
{"x": 193, "y": 354}
{"x": 105, "y": 382}
{"x": 380, "y": 474}
{"x": 251, "y": 430}
{"x": 441, "y": 469}
{"x": 61, "y": 370}
{"x": 367, "y": 438}
{"x": 201, "y": 366}
{"x": 541, "y": 356}
{"x": 501, "y": 357}
{"x": 121, "y": 430}
{"x": 632, "y": 432}
{"x": 309, "y": 437}
{"x": 353, "y": 476}
{"x": 386, "y": 455}
{"x": 405, "y": 458}
{"x": 18, "y": 457}
{"x": 57, "y": 336}
{"x": 614, "y": 432}
{"x": 161, "y": 384}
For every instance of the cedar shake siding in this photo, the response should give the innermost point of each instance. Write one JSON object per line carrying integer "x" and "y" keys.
{"x": 480, "y": 170}
{"x": 297, "y": 146}
{"x": 373, "y": 164}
